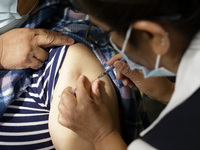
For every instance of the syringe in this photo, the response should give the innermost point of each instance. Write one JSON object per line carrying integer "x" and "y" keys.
{"x": 107, "y": 70}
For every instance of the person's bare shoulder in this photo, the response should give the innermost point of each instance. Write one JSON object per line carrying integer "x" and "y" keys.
{"x": 79, "y": 59}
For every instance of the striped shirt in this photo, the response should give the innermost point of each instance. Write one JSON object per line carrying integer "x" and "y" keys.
{"x": 25, "y": 123}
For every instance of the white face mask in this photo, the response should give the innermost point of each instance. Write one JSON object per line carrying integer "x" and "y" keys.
{"x": 9, "y": 17}
{"x": 157, "y": 72}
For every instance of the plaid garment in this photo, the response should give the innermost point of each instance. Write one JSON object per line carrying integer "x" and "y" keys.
{"x": 74, "y": 25}
{"x": 13, "y": 83}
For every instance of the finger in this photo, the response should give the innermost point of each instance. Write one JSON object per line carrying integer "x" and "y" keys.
{"x": 62, "y": 120}
{"x": 82, "y": 90}
{"x": 48, "y": 38}
{"x": 64, "y": 111}
{"x": 126, "y": 81}
{"x": 35, "y": 63}
{"x": 114, "y": 59}
{"x": 41, "y": 54}
{"x": 136, "y": 76}
{"x": 119, "y": 75}
{"x": 95, "y": 92}
{"x": 68, "y": 99}
{"x": 123, "y": 68}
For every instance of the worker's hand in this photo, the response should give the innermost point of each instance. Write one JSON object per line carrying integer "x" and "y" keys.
{"x": 24, "y": 47}
{"x": 85, "y": 112}
{"x": 158, "y": 88}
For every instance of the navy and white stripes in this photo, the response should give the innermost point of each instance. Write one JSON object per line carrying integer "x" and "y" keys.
{"x": 25, "y": 123}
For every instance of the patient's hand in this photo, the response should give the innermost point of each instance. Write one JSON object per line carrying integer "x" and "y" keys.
{"x": 24, "y": 48}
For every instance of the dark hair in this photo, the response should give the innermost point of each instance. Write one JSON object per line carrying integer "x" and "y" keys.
{"x": 184, "y": 15}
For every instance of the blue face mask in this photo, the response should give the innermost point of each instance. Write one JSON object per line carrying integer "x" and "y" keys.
{"x": 157, "y": 72}
{"x": 9, "y": 17}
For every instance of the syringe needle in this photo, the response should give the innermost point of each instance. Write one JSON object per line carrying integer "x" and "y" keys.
{"x": 107, "y": 70}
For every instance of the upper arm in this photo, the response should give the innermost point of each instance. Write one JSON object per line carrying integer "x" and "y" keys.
{"x": 78, "y": 60}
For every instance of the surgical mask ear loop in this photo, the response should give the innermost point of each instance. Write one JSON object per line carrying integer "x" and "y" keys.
{"x": 128, "y": 34}
{"x": 157, "y": 61}
{"x": 163, "y": 43}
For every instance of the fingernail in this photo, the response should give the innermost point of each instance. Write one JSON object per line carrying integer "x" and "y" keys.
{"x": 82, "y": 78}
{"x": 95, "y": 85}
{"x": 73, "y": 91}
{"x": 97, "y": 82}
{"x": 70, "y": 40}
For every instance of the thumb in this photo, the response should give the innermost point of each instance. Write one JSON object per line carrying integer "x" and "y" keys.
{"x": 134, "y": 75}
{"x": 123, "y": 68}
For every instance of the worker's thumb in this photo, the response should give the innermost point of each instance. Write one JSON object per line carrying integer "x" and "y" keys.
{"x": 136, "y": 76}
{"x": 123, "y": 68}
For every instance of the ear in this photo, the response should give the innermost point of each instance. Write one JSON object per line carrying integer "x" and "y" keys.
{"x": 157, "y": 36}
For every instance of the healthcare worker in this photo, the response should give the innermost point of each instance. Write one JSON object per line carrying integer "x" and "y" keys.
{"x": 157, "y": 38}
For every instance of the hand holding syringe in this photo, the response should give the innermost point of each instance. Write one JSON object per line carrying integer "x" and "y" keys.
{"x": 108, "y": 70}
